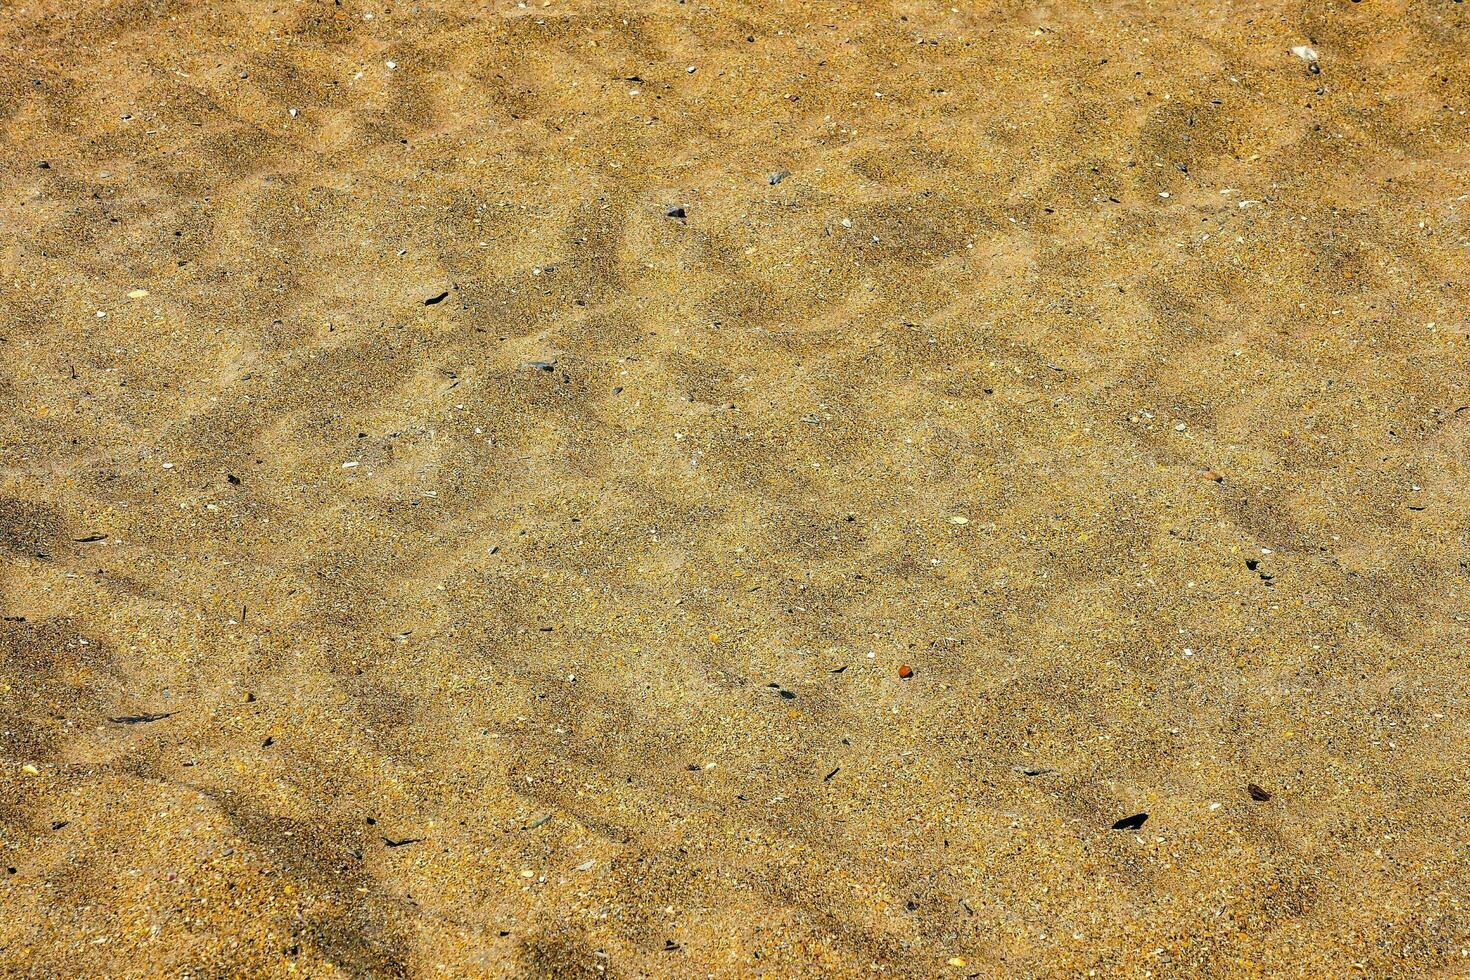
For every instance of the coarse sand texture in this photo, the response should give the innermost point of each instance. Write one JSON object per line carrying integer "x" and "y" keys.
{"x": 713, "y": 489}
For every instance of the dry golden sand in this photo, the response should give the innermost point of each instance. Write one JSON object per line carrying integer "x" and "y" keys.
{"x": 1064, "y": 315}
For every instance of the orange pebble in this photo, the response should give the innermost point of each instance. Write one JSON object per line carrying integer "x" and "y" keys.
{"x": 905, "y": 671}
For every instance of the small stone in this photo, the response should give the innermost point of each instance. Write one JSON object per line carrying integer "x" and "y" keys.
{"x": 30, "y": 770}
{"x": 905, "y": 671}
{"x": 137, "y": 294}
{"x": 777, "y": 177}
{"x": 958, "y": 519}
{"x": 677, "y": 213}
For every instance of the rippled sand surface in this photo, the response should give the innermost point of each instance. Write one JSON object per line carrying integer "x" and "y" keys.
{"x": 713, "y": 489}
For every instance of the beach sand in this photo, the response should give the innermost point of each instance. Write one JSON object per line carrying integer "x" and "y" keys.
{"x": 713, "y": 489}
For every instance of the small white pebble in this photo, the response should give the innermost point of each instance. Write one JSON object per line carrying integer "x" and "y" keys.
{"x": 168, "y": 466}
{"x": 1163, "y": 193}
{"x": 1304, "y": 52}
{"x": 348, "y": 466}
{"x": 294, "y": 113}
{"x": 392, "y": 66}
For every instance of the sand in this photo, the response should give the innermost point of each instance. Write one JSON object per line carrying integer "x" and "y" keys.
{"x": 422, "y": 555}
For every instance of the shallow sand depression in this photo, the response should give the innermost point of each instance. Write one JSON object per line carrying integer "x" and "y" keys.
{"x": 711, "y": 489}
